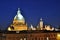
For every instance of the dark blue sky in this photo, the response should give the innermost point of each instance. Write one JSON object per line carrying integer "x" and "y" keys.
{"x": 32, "y": 10}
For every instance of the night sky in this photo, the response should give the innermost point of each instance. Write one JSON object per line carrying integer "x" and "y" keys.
{"x": 32, "y": 10}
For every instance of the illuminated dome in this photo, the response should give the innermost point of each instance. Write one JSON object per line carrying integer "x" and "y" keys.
{"x": 19, "y": 16}
{"x": 19, "y": 23}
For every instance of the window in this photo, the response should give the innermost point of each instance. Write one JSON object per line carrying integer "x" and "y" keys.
{"x": 36, "y": 38}
{"x": 21, "y": 39}
{"x": 25, "y": 39}
{"x": 47, "y": 38}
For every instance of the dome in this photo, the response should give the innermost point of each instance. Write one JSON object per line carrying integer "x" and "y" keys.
{"x": 18, "y": 16}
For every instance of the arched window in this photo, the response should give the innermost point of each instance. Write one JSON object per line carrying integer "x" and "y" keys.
{"x": 21, "y": 39}
{"x": 25, "y": 38}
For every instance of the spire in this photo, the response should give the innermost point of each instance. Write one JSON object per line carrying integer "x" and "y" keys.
{"x": 18, "y": 8}
{"x": 31, "y": 26}
{"x": 18, "y": 12}
{"x": 41, "y": 19}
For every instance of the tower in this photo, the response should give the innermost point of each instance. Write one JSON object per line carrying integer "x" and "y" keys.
{"x": 19, "y": 23}
{"x": 41, "y": 24}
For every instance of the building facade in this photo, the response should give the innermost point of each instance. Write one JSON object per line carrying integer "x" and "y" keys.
{"x": 19, "y": 24}
{"x": 19, "y": 30}
{"x": 30, "y": 35}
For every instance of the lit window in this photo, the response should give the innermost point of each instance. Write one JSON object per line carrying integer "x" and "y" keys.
{"x": 47, "y": 38}
{"x": 25, "y": 39}
{"x": 21, "y": 39}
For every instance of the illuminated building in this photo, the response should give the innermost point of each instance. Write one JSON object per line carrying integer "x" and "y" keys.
{"x": 32, "y": 28}
{"x": 30, "y": 35}
{"x": 48, "y": 27}
{"x": 19, "y": 23}
{"x": 41, "y": 24}
{"x": 19, "y": 30}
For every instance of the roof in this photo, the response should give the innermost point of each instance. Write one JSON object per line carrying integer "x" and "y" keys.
{"x": 19, "y": 15}
{"x": 28, "y": 31}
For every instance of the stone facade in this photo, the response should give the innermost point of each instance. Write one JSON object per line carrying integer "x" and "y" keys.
{"x": 29, "y": 35}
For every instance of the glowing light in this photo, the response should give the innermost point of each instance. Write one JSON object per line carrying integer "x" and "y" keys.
{"x": 20, "y": 16}
{"x": 47, "y": 38}
{"x": 9, "y": 29}
{"x": 58, "y": 36}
